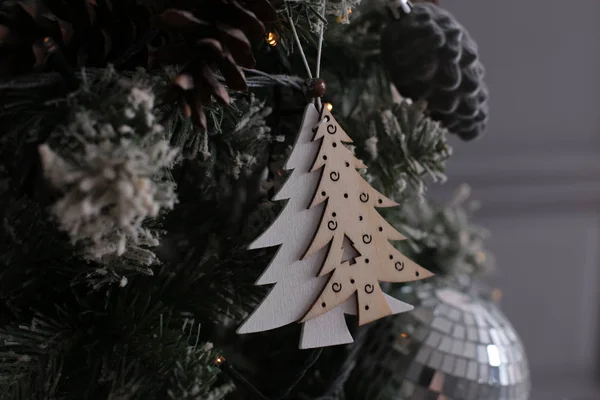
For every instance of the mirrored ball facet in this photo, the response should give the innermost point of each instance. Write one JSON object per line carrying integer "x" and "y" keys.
{"x": 452, "y": 346}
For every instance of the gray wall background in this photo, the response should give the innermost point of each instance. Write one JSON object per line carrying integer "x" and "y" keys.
{"x": 537, "y": 172}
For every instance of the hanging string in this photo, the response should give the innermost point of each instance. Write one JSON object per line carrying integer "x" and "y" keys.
{"x": 297, "y": 39}
{"x": 319, "y": 47}
{"x": 319, "y": 51}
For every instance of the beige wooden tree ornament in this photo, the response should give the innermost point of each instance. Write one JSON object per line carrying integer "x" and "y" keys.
{"x": 334, "y": 247}
{"x": 350, "y": 213}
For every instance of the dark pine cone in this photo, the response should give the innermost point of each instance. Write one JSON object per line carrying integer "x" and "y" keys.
{"x": 431, "y": 57}
{"x": 208, "y": 35}
{"x": 199, "y": 35}
{"x": 88, "y": 32}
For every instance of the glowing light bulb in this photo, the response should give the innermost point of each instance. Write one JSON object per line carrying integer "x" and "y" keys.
{"x": 219, "y": 361}
{"x": 497, "y": 295}
{"x": 329, "y": 106}
{"x": 272, "y": 39}
{"x": 480, "y": 257}
{"x": 345, "y": 17}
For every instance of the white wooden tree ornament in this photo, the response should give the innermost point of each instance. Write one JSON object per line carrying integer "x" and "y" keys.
{"x": 333, "y": 245}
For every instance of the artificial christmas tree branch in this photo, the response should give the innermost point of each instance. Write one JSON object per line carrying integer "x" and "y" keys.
{"x": 444, "y": 238}
{"x": 256, "y": 393}
{"x": 422, "y": 149}
{"x": 157, "y": 349}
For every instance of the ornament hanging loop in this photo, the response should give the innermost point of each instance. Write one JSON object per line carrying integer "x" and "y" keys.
{"x": 316, "y": 87}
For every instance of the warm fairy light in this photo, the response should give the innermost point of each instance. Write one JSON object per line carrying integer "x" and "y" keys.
{"x": 344, "y": 18}
{"x": 497, "y": 295}
{"x": 272, "y": 39}
{"x": 219, "y": 361}
{"x": 404, "y": 335}
{"x": 50, "y": 45}
{"x": 481, "y": 257}
{"x": 329, "y": 106}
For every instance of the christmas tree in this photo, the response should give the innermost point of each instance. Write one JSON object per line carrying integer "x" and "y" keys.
{"x": 142, "y": 144}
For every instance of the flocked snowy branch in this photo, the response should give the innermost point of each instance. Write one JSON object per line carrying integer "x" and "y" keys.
{"x": 115, "y": 182}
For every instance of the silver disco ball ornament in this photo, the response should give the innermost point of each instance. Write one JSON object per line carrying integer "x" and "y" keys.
{"x": 452, "y": 346}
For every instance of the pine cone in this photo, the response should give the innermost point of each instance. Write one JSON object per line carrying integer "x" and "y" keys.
{"x": 210, "y": 35}
{"x": 89, "y": 33}
{"x": 431, "y": 57}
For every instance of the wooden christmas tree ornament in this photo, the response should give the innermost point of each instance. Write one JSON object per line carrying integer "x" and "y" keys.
{"x": 350, "y": 213}
{"x": 334, "y": 247}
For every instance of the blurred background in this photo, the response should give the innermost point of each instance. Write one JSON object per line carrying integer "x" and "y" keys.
{"x": 537, "y": 173}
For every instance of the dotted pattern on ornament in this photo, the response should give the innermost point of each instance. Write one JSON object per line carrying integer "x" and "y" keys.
{"x": 350, "y": 218}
